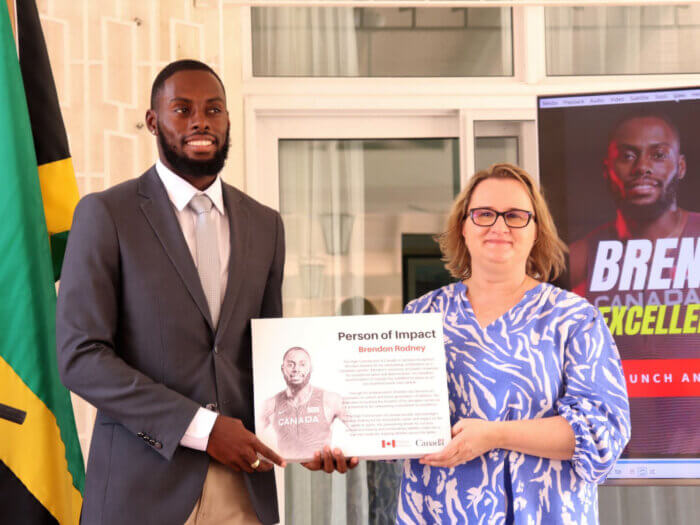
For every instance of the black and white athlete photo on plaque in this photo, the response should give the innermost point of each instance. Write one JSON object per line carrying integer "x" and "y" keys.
{"x": 301, "y": 414}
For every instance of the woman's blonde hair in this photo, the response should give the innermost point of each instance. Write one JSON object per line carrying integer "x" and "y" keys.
{"x": 547, "y": 258}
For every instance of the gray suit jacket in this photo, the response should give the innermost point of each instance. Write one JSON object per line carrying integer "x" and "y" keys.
{"x": 135, "y": 339}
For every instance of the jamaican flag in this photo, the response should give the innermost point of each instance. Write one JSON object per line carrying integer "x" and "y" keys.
{"x": 59, "y": 189}
{"x": 41, "y": 466}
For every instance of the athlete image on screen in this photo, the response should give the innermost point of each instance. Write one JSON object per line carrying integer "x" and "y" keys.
{"x": 643, "y": 168}
{"x": 301, "y": 414}
{"x": 641, "y": 267}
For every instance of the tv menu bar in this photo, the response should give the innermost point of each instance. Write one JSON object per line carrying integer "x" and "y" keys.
{"x": 620, "y": 98}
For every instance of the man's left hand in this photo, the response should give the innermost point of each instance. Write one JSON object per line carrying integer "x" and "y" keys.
{"x": 329, "y": 461}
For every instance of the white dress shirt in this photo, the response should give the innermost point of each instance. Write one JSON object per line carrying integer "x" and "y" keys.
{"x": 180, "y": 193}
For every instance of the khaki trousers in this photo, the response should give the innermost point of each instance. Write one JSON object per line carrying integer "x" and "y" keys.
{"x": 224, "y": 499}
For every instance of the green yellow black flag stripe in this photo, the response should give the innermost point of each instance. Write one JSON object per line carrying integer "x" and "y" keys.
{"x": 59, "y": 188}
{"x": 41, "y": 466}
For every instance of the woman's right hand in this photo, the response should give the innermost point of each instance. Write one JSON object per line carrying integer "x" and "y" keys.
{"x": 471, "y": 438}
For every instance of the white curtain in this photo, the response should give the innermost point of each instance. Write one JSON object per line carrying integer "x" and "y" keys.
{"x": 569, "y": 31}
{"x": 598, "y": 40}
{"x": 322, "y": 203}
{"x": 304, "y": 41}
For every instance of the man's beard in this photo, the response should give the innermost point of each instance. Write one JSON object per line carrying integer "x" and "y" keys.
{"x": 183, "y": 165}
{"x": 298, "y": 386}
{"x": 645, "y": 213}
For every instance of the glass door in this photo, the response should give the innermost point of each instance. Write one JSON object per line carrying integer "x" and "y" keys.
{"x": 359, "y": 195}
{"x": 346, "y": 205}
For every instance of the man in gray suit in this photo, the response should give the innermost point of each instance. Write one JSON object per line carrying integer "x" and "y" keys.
{"x": 161, "y": 278}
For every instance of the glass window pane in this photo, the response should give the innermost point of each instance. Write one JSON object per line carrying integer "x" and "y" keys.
{"x": 623, "y": 40}
{"x": 381, "y": 42}
{"x": 345, "y": 206}
{"x": 494, "y": 150}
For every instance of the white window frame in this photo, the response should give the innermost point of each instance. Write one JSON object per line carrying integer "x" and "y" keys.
{"x": 473, "y": 98}
{"x": 273, "y": 118}
{"x": 529, "y": 68}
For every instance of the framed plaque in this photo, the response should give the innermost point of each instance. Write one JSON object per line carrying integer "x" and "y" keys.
{"x": 373, "y": 386}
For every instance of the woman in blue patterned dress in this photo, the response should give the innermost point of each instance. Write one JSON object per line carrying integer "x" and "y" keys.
{"x": 538, "y": 401}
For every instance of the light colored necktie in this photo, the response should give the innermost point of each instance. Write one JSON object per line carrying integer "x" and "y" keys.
{"x": 208, "y": 264}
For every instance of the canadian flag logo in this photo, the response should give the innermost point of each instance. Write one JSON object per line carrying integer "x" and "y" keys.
{"x": 387, "y": 443}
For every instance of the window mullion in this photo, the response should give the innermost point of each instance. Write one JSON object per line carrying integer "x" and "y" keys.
{"x": 529, "y": 54}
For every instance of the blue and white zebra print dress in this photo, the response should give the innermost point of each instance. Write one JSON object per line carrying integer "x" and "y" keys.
{"x": 551, "y": 354}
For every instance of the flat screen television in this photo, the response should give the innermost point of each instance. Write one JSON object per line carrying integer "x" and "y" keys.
{"x": 621, "y": 172}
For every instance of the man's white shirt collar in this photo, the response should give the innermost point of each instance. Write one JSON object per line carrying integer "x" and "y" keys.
{"x": 181, "y": 192}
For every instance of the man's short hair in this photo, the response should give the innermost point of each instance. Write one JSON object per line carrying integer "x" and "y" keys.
{"x": 645, "y": 113}
{"x": 174, "y": 67}
{"x": 294, "y": 349}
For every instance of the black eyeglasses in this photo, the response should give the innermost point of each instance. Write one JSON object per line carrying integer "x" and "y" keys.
{"x": 512, "y": 218}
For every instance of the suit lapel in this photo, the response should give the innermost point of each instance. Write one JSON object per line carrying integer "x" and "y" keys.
{"x": 238, "y": 233}
{"x": 158, "y": 210}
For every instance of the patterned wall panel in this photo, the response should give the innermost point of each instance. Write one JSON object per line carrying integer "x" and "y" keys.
{"x": 105, "y": 55}
{"x": 119, "y": 68}
{"x": 120, "y": 156}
